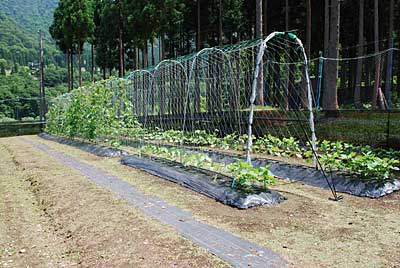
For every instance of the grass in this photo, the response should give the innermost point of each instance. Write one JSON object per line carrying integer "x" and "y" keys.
{"x": 360, "y": 128}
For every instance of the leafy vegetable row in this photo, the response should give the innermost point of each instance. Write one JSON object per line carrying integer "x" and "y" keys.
{"x": 243, "y": 173}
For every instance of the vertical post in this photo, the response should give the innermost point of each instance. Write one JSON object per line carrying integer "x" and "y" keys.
{"x": 92, "y": 61}
{"x": 121, "y": 71}
{"x": 253, "y": 98}
{"x": 198, "y": 37}
{"x": 41, "y": 80}
{"x": 310, "y": 107}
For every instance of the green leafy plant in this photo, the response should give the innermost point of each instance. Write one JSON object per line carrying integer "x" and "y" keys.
{"x": 245, "y": 175}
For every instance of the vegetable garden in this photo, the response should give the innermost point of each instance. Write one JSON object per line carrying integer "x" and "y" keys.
{"x": 227, "y": 100}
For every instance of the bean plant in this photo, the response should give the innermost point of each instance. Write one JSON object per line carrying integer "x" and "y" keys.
{"x": 94, "y": 113}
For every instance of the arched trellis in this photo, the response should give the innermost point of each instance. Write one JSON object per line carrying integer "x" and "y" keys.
{"x": 167, "y": 94}
{"x": 216, "y": 88}
{"x": 263, "y": 47}
{"x": 211, "y": 68}
{"x": 141, "y": 84}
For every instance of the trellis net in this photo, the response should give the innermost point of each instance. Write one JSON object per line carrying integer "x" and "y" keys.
{"x": 251, "y": 98}
{"x": 256, "y": 88}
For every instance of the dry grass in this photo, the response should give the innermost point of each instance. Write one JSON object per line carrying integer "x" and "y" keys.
{"x": 81, "y": 225}
{"x": 308, "y": 229}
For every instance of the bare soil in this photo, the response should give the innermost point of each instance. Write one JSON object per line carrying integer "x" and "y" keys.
{"x": 308, "y": 229}
{"x": 50, "y": 216}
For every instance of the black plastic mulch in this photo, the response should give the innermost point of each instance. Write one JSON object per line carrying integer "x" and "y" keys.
{"x": 96, "y": 149}
{"x": 211, "y": 184}
{"x": 344, "y": 183}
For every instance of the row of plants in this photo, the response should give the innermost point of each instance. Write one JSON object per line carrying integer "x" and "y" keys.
{"x": 93, "y": 113}
{"x": 96, "y": 113}
{"x": 268, "y": 144}
{"x": 244, "y": 175}
{"x": 364, "y": 161}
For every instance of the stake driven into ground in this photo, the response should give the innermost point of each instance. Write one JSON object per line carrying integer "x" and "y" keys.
{"x": 88, "y": 226}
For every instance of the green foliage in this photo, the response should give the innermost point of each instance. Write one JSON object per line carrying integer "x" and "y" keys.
{"x": 94, "y": 113}
{"x": 245, "y": 175}
{"x": 19, "y": 94}
{"x": 364, "y": 162}
{"x": 285, "y": 147}
{"x": 18, "y": 31}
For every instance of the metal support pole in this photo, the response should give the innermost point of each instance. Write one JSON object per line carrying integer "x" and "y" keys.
{"x": 252, "y": 100}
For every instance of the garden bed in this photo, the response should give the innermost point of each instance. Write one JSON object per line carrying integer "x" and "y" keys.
{"x": 211, "y": 184}
{"x": 343, "y": 182}
{"x": 96, "y": 149}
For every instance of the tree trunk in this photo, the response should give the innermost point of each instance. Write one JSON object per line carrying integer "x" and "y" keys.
{"x": 265, "y": 16}
{"x": 104, "y": 73}
{"x": 72, "y": 69}
{"x": 136, "y": 58}
{"x": 220, "y": 32}
{"x": 259, "y": 27}
{"x": 153, "y": 62}
{"x": 69, "y": 70}
{"x": 80, "y": 64}
{"x": 326, "y": 27}
{"x": 389, "y": 68}
{"x": 120, "y": 43}
{"x": 378, "y": 58}
{"x": 162, "y": 47}
{"x": 309, "y": 25}
{"x": 360, "y": 52}
{"x": 145, "y": 55}
{"x": 92, "y": 52}
{"x": 286, "y": 15}
{"x": 330, "y": 100}
{"x": 198, "y": 38}
{"x": 143, "y": 60}
{"x": 398, "y": 73}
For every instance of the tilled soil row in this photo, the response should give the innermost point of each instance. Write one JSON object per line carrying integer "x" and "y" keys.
{"x": 52, "y": 216}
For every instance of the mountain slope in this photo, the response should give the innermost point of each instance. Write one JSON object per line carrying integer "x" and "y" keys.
{"x": 32, "y": 15}
{"x": 20, "y": 22}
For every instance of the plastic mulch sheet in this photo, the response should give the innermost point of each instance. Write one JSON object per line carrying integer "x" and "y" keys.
{"x": 98, "y": 150}
{"x": 214, "y": 185}
{"x": 344, "y": 183}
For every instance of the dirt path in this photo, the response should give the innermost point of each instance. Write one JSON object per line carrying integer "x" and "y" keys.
{"x": 46, "y": 222}
{"x": 307, "y": 229}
